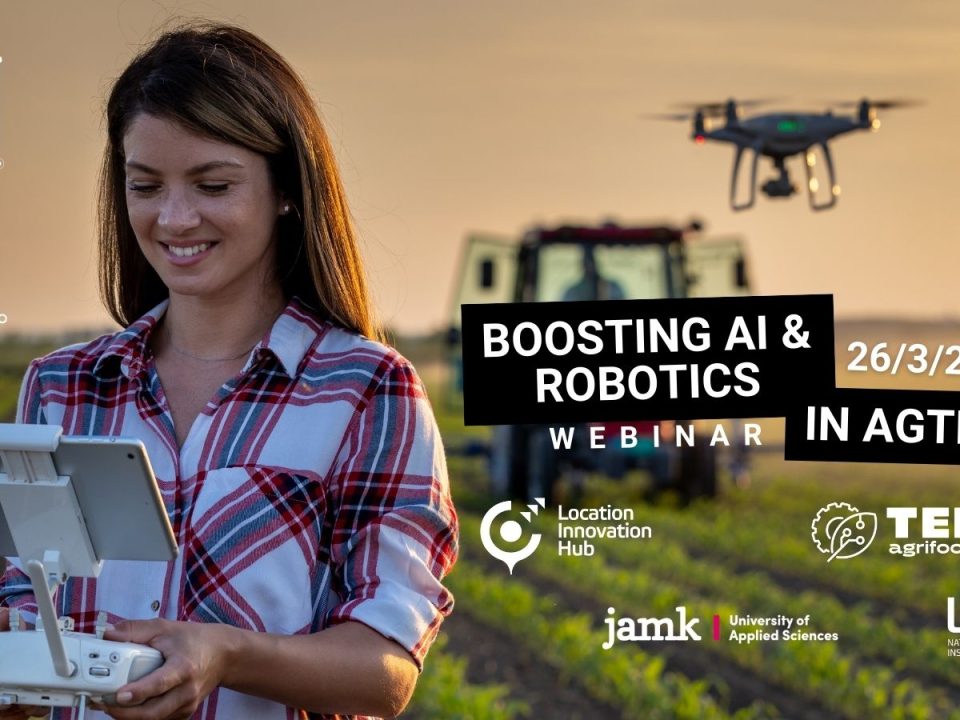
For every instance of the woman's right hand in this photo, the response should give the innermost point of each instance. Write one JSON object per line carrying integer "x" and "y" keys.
{"x": 17, "y": 712}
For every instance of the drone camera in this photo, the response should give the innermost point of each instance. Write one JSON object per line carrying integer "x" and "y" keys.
{"x": 778, "y": 187}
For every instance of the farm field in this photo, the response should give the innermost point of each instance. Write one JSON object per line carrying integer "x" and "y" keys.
{"x": 530, "y": 644}
{"x": 750, "y": 552}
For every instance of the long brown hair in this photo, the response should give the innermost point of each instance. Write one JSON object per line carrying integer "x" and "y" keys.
{"x": 225, "y": 83}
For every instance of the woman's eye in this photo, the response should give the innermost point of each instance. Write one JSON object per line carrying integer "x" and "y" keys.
{"x": 142, "y": 188}
{"x": 214, "y": 187}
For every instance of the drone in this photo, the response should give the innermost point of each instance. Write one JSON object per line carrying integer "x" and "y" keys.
{"x": 778, "y": 136}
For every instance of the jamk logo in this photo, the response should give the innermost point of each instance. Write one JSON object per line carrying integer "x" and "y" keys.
{"x": 510, "y": 532}
{"x": 627, "y": 629}
{"x": 842, "y": 531}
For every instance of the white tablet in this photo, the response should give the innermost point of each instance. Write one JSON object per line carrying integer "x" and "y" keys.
{"x": 117, "y": 494}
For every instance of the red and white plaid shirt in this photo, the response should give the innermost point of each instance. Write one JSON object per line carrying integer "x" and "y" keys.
{"x": 311, "y": 490}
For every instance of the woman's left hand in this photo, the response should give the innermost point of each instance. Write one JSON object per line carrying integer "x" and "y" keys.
{"x": 195, "y": 658}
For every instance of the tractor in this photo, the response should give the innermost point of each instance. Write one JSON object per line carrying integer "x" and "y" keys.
{"x": 605, "y": 262}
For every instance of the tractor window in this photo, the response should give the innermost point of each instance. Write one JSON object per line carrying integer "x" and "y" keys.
{"x": 639, "y": 269}
{"x": 559, "y": 267}
{"x": 601, "y": 272}
{"x": 488, "y": 273}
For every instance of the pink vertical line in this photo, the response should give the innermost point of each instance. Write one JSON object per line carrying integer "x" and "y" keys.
{"x": 716, "y": 627}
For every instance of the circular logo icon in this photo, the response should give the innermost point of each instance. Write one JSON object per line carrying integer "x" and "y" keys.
{"x": 841, "y": 531}
{"x": 509, "y": 531}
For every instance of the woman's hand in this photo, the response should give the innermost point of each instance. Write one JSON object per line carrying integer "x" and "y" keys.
{"x": 17, "y": 712}
{"x": 194, "y": 663}
{"x": 347, "y": 668}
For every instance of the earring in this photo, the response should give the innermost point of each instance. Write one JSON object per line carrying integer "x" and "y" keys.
{"x": 286, "y": 208}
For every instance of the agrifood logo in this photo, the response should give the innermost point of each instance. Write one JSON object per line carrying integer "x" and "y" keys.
{"x": 935, "y": 524}
{"x": 510, "y": 532}
{"x": 841, "y": 531}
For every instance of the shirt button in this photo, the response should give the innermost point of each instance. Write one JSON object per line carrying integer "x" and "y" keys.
{"x": 155, "y": 605}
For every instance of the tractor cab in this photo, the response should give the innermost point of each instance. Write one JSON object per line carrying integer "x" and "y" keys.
{"x": 581, "y": 263}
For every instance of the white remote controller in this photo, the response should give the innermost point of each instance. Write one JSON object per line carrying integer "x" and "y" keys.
{"x": 27, "y": 676}
{"x": 50, "y": 518}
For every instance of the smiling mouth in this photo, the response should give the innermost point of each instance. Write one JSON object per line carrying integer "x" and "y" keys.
{"x": 189, "y": 251}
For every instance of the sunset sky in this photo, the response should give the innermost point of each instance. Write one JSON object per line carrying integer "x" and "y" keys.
{"x": 456, "y": 117}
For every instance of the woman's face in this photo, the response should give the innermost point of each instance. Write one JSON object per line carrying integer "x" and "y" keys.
{"x": 204, "y": 211}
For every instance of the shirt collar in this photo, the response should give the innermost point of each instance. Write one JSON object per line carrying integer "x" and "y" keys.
{"x": 294, "y": 332}
{"x": 126, "y": 352}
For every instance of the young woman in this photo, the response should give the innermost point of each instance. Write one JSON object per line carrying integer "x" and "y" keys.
{"x": 298, "y": 458}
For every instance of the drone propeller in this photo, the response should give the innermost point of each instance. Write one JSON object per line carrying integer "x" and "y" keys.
{"x": 886, "y": 104}
{"x": 670, "y": 117}
{"x": 720, "y": 108}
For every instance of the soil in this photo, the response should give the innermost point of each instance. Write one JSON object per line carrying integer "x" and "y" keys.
{"x": 908, "y": 618}
{"x": 496, "y": 658}
{"x": 693, "y": 662}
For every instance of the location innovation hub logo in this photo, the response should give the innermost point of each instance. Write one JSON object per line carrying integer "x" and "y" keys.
{"x": 841, "y": 531}
{"x": 509, "y": 532}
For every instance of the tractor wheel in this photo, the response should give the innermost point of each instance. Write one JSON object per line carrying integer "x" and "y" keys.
{"x": 542, "y": 467}
{"x": 508, "y": 462}
{"x": 697, "y": 472}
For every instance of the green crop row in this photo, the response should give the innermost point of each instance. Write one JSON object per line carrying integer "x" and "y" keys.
{"x": 800, "y": 502}
{"x": 918, "y": 651}
{"x": 784, "y": 505}
{"x": 443, "y": 693}
{"x": 773, "y": 544}
{"x": 819, "y": 671}
{"x": 791, "y": 488}
{"x": 627, "y": 677}
{"x": 9, "y": 390}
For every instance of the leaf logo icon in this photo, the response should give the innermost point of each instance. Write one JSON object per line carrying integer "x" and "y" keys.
{"x": 842, "y": 531}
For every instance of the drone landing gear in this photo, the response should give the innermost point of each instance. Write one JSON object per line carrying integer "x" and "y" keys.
{"x": 752, "y": 196}
{"x": 781, "y": 186}
{"x": 813, "y": 184}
